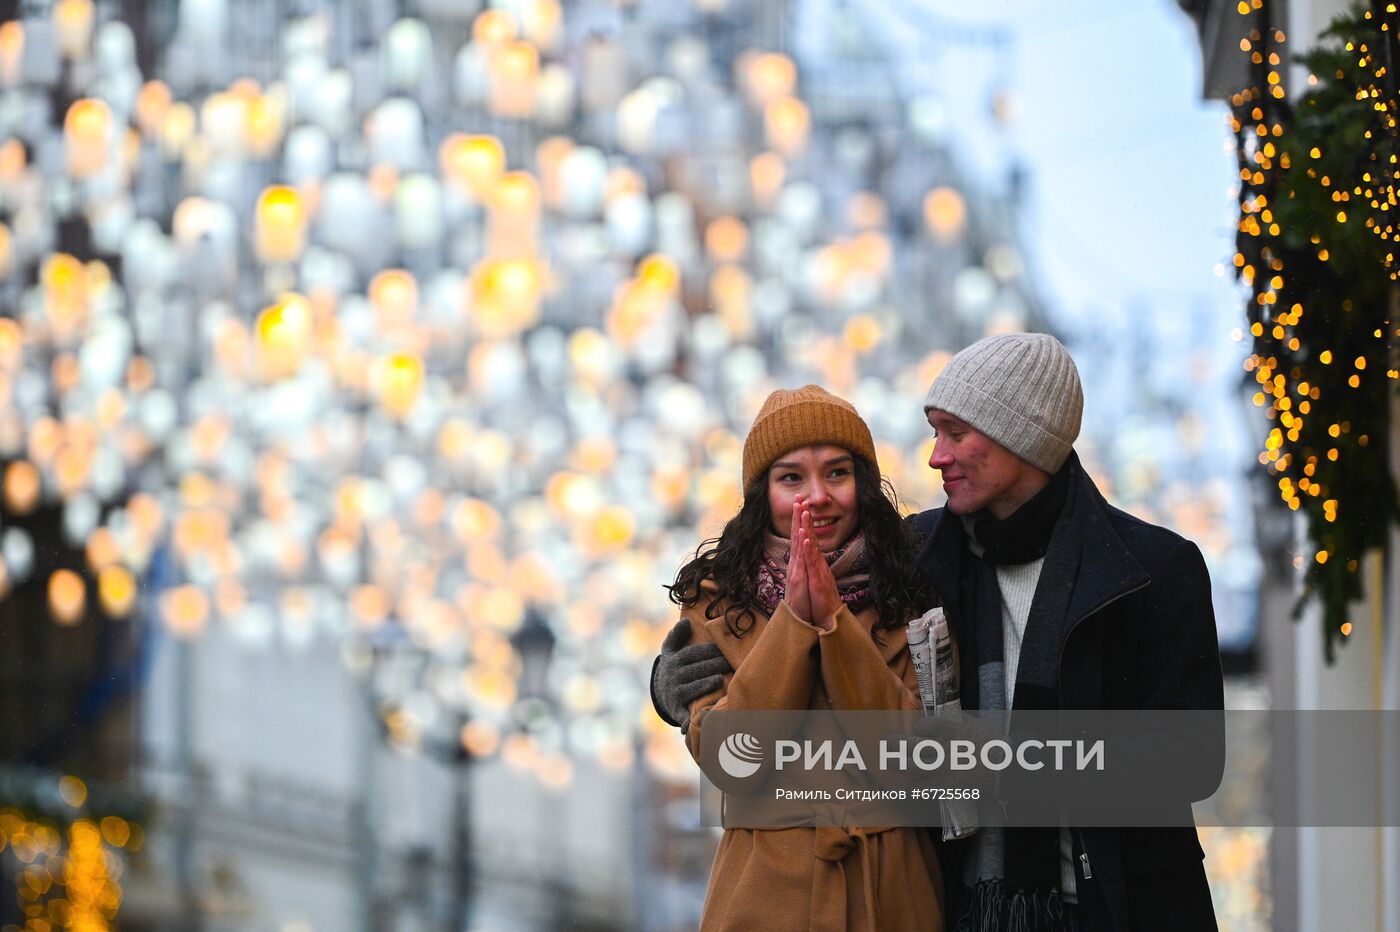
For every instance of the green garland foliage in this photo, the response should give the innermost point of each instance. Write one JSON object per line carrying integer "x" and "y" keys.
{"x": 1317, "y": 243}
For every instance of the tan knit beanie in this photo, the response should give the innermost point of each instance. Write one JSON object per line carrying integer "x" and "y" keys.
{"x": 803, "y": 417}
{"x": 1020, "y": 389}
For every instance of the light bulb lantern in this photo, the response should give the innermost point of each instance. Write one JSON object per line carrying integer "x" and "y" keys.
{"x": 534, "y": 642}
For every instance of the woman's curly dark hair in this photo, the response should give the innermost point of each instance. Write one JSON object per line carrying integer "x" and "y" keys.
{"x": 732, "y": 560}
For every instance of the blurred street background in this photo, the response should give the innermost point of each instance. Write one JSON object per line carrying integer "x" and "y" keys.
{"x": 368, "y": 366}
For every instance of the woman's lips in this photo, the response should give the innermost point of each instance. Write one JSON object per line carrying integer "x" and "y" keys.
{"x": 824, "y": 529}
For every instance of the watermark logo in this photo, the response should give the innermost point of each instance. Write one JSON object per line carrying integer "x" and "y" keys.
{"x": 740, "y": 755}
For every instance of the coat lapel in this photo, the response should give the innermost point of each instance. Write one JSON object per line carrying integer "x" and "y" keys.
{"x": 1107, "y": 569}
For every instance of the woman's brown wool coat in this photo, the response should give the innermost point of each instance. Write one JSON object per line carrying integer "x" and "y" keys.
{"x": 815, "y": 878}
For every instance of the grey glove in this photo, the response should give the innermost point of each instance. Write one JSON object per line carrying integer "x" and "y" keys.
{"x": 683, "y": 674}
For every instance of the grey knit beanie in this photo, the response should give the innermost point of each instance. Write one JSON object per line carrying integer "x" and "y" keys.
{"x": 1020, "y": 389}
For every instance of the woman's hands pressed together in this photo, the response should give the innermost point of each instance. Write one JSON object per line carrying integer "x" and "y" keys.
{"x": 822, "y": 594}
{"x": 797, "y": 599}
{"x": 811, "y": 587}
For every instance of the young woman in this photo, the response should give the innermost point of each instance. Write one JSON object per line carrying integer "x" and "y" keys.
{"x": 807, "y": 592}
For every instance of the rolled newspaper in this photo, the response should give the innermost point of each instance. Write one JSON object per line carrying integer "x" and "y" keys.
{"x": 935, "y": 665}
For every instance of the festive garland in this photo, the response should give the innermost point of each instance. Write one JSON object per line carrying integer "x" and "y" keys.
{"x": 1317, "y": 243}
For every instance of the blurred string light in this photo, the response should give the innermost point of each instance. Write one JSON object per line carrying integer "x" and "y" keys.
{"x": 1316, "y": 246}
{"x": 68, "y": 864}
{"x": 404, "y": 357}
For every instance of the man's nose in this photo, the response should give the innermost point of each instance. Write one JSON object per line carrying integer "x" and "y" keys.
{"x": 939, "y": 459}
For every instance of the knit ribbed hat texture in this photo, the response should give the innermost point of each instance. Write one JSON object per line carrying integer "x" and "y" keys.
{"x": 802, "y": 417}
{"x": 1020, "y": 389}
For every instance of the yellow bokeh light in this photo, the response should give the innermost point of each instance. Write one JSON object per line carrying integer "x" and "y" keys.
{"x": 658, "y": 272}
{"x": 116, "y": 831}
{"x": 283, "y": 333}
{"x": 770, "y": 76}
{"x": 116, "y": 591}
{"x": 595, "y": 454}
{"x": 87, "y": 132}
{"x": 767, "y": 172}
{"x": 66, "y": 290}
{"x": 505, "y": 296}
{"x": 72, "y": 23}
{"x": 541, "y": 22}
{"x": 493, "y": 28}
{"x": 590, "y": 352}
{"x": 67, "y": 597}
{"x": 867, "y": 210}
{"x": 11, "y": 50}
{"x": 152, "y": 104}
{"x": 394, "y": 293}
{"x": 480, "y": 739}
{"x": 549, "y": 157}
{"x": 369, "y": 605}
{"x": 454, "y": 439}
{"x": 472, "y": 163}
{"x": 12, "y": 160}
{"x": 945, "y": 212}
{"x": 502, "y": 607}
{"x": 572, "y": 495}
{"x": 11, "y": 343}
{"x": 515, "y": 70}
{"x": 862, "y": 333}
{"x": 730, "y": 291}
{"x": 73, "y": 790}
{"x": 177, "y": 132}
{"x": 146, "y": 513}
{"x": 494, "y": 689}
{"x": 101, "y": 549}
{"x": 670, "y": 485}
{"x": 726, "y": 239}
{"x": 472, "y": 520}
{"x": 280, "y": 224}
{"x": 786, "y": 122}
{"x": 516, "y": 193}
{"x": 609, "y": 531}
{"x": 262, "y": 124}
{"x": 185, "y": 610}
{"x": 397, "y": 380}
{"x": 22, "y": 486}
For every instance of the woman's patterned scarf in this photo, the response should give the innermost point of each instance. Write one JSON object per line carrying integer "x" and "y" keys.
{"x": 850, "y": 564}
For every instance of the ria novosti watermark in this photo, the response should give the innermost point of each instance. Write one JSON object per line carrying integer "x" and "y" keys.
{"x": 903, "y": 754}
{"x": 778, "y": 769}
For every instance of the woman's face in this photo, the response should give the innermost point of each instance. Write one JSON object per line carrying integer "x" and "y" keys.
{"x": 825, "y": 478}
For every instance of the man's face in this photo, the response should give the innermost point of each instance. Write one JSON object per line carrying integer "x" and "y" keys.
{"x": 977, "y": 471}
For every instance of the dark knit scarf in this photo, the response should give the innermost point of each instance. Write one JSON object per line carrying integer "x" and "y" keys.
{"x": 1024, "y": 535}
{"x": 850, "y": 564}
{"x": 1018, "y": 869}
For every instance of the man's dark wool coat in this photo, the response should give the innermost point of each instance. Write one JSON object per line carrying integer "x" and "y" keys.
{"x": 1139, "y": 634}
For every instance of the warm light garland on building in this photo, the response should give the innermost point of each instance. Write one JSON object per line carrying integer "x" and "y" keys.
{"x": 1317, "y": 198}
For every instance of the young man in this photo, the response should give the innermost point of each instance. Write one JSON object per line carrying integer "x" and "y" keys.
{"x": 1058, "y": 601}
